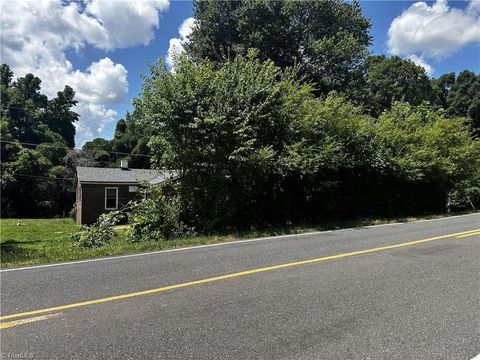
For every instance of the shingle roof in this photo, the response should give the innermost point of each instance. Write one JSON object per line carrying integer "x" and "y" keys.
{"x": 118, "y": 175}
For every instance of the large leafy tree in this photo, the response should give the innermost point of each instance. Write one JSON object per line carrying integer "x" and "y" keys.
{"x": 432, "y": 154}
{"x": 459, "y": 96}
{"x": 441, "y": 88}
{"x": 60, "y": 118}
{"x": 463, "y": 98}
{"x": 226, "y": 130}
{"x": 328, "y": 39}
{"x": 255, "y": 146}
{"x": 36, "y": 134}
{"x": 390, "y": 79}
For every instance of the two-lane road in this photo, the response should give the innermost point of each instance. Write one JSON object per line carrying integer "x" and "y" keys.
{"x": 402, "y": 291}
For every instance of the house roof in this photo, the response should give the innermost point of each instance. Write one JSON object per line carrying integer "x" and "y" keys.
{"x": 127, "y": 176}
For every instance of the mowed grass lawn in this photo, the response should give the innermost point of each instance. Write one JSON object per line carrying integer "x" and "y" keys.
{"x": 40, "y": 241}
{"x": 35, "y": 240}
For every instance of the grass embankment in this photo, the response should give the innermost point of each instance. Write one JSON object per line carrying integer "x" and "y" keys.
{"x": 40, "y": 241}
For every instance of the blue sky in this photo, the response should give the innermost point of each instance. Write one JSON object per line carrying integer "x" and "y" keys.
{"x": 137, "y": 58}
{"x": 102, "y": 47}
{"x": 382, "y": 13}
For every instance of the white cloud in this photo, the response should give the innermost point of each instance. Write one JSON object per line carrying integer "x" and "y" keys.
{"x": 103, "y": 83}
{"x": 176, "y": 44}
{"x": 94, "y": 119}
{"x": 420, "y": 61}
{"x": 434, "y": 31}
{"x": 127, "y": 23}
{"x": 36, "y": 34}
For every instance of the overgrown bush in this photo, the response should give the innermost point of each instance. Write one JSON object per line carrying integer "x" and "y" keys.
{"x": 98, "y": 234}
{"x": 257, "y": 148}
{"x": 157, "y": 217}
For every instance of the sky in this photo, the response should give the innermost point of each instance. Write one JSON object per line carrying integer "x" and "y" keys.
{"x": 102, "y": 47}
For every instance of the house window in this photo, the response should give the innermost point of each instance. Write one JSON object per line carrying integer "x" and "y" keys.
{"x": 111, "y": 198}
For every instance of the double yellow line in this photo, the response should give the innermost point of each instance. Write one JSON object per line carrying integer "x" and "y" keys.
{"x": 223, "y": 277}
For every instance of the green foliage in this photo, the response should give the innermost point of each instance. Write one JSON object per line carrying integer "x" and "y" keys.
{"x": 274, "y": 114}
{"x": 59, "y": 117}
{"x": 157, "y": 217}
{"x": 100, "y": 150}
{"x": 441, "y": 87}
{"x": 130, "y": 138}
{"x": 228, "y": 128}
{"x": 463, "y": 98}
{"x": 392, "y": 79}
{"x": 255, "y": 147}
{"x": 336, "y": 134}
{"x": 98, "y": 234}
{"x": 328, "y": 39}
{"x": 34, "y": 178}
{"x": 424, "y": 144}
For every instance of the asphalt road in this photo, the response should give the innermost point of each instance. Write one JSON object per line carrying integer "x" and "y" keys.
{"x": 366, "y": 293}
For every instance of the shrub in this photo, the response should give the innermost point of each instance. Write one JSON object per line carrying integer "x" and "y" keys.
{"x": 157, "y": 217}
{"x": 98, "y": 234}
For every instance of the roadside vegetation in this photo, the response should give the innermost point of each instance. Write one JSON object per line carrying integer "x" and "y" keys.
{"x": 42, "y": 241}
{"x": 269, "y": 127}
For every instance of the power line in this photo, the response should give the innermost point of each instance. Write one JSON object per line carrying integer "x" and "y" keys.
{"x": 30, "y": 109}
{"x": 18, "y": 107}
{"x": 66, "y": 147}
{"x": 7, "y": 107}
{"x": 41, "y": 177}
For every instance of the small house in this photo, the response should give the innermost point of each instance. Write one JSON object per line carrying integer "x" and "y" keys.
{"x": 100, "y": 190}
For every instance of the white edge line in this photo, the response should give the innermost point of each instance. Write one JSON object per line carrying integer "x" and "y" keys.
{"x": 233, "y": 242}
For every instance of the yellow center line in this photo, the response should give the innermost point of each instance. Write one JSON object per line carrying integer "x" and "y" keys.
{"x": 230, "y": 276}
{"x": 470, "y": 234}
{"x": 8, "y": 324}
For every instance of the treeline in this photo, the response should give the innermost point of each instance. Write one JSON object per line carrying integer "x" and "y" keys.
{"x": 130, "y": 142}
{"x": 37, "y": 140}
{"x": 256, "y": 146}
{"x": 28, "y": 118}
{"x": 277, "y": 113}
{"x": 327, "y": 44}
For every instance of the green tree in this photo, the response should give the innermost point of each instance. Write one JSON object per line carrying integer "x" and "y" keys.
{"x": 429, "y": 151}
{"x": 390, "y": 79}
{"x": 59, "y": 116}
{"x": 441, "y": 88}
{"x": 36, "y": 133}
{"x": 227, "y": 131}
{"x": 130, "y": 142}
{"x": 463, "y": 98}
{"x": 255, "y": 146}
{"x": 328, "y": 40}
{"x": 6, "y": 75}
{"x": 100, "y": 150}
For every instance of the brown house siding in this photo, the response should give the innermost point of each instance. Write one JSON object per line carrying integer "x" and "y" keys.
{"x": 91, "y": 200}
